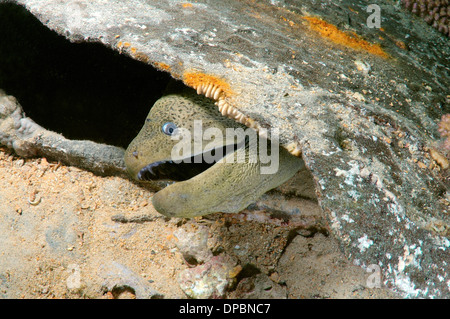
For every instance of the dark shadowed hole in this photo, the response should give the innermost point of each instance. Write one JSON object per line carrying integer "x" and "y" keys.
{"x": 244, "y": 277}
{"x": 81, "y": 90}
{"x": 122, "y": 292}
{"x": 248, "y": 270}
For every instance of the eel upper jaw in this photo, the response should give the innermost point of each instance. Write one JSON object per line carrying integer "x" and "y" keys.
{"x": 180, "y": 170}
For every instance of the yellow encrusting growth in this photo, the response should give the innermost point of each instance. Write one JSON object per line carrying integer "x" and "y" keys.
{"x": 202, "y": 81}
{"x": 348, "y": 39}
{"x": 162, "y": 66}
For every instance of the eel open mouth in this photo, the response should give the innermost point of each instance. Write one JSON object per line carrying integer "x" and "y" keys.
{"x": 172, "y": 171}
{"x": 187, "y": 168}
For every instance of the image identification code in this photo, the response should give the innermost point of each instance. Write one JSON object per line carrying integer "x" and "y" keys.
{"x": 231, "y": 308}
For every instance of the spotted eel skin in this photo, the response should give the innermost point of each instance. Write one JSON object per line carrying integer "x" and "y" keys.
{"x": 223, "y": 186}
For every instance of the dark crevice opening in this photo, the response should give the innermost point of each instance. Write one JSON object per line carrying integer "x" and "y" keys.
{"x": 84, "y": 91}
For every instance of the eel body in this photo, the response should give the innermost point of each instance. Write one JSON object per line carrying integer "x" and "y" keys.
{"x": 212, "y": 158}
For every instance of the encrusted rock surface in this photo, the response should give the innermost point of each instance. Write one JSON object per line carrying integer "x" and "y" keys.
{"x": 363, "y": 107}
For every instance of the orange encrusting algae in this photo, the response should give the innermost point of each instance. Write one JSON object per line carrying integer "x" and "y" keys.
{"x": 195, "y": 80}
{"x": 348, "y": 39}
{"x": 162, "y": 66}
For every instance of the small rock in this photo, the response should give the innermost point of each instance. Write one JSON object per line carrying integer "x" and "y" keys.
{"x": 275, "y": 277}
{"x": 259, "y": 286}
{"x": 118, "y": 278}
{"x": 193, "y": 245}
{"x": 439, "y": 158}
{"x": 209, "y": 280}
{"x": 73, "y": 281}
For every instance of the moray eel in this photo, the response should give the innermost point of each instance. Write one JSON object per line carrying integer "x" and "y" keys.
{"x": 228, "y": 183}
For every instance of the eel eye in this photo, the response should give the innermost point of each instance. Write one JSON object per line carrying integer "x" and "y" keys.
{"x": 169, "y": 128}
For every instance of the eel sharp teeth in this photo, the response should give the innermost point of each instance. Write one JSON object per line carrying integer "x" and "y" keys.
{"x": 208, "y": 90}
{"x": 221, "y": 104}
{"x": 217, "y": 93}
{"x": 232, "y": 111}
{"x": 224, "y": 110}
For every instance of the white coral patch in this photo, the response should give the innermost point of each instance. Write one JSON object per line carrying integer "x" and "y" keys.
{"x": 364, "y": 243}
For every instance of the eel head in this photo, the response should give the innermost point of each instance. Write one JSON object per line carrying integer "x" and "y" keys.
{"x": 166, "y": 149}
{"x": 209, "y": 175}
